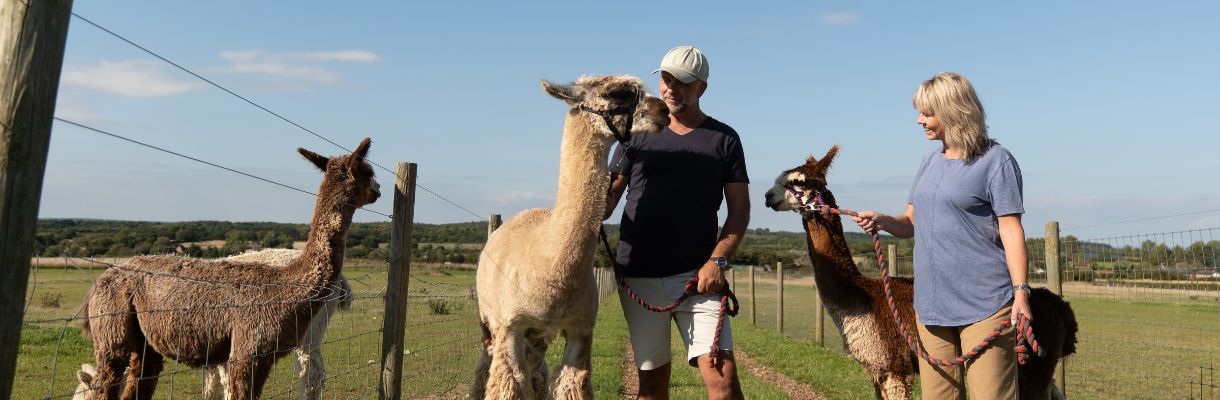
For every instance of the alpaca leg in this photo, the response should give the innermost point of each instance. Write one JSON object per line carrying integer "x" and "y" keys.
{"x": 310, "y": 365}
{"x": 535, "y": 354}
{"x": 215, "y": 386}
{"x": 1055, "y": 394}
{"x": 894, "y": 387}
{"x": 574, "y": 380}
{"x": 478, "y": 389}
{"x": 312, "y": 371}
{"x": 143, "y": 373}
{"x": 239, "y": 386}
{"x": 508, "y": 372}
{"x": 110, "y": 370}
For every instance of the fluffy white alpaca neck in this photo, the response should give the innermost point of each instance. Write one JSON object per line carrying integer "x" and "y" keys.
{"x": 583, "y": 181}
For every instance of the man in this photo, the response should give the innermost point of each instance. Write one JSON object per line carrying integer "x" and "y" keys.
{"x": 677, "y": 179}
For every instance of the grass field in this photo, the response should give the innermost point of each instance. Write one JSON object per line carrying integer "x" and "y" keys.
{"x": 1134, "y": 344}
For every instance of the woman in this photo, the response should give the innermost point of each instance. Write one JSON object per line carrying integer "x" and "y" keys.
{"x": 970, "y": 258}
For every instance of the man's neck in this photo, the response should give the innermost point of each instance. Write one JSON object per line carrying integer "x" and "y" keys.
{"x": 686, "y": 121}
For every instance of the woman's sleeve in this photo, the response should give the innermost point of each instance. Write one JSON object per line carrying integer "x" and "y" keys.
{"x": 1005, "y": 187}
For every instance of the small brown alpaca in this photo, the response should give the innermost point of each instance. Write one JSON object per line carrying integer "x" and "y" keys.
{"x": 859, "y": 309}
{"x": 535, "y": 277}
{"x": 210, "y": 312}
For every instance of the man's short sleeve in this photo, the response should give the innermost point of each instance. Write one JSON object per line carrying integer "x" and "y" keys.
{"x": 735, "y": 161}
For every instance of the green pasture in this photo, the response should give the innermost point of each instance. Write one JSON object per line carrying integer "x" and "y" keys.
{"x": 1133, "y": 344}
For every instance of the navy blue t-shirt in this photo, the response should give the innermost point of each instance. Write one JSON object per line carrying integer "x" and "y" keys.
{"x": 675, "y": 187}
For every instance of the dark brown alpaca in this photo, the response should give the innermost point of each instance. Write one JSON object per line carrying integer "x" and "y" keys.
{"x": 208, "y": 312}
{"x": 859, "y": 309}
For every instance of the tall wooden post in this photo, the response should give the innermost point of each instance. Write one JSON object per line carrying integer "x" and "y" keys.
{"x": 779, "y": 297}
{"x": 1054, "y": 276}
{"x": 32, "y": 37}
{"x": 395, "y": 321}
{"x": 733, "y": 280}
{"x": 891, "y": 259}
{"x": 1054, "y": 281}
{"x": 753, "y": 300}
{"x": 819, "y": 316}
{"x": 493, "y": 223}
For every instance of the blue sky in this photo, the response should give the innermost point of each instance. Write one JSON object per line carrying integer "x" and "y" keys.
{"x": 1104, "y": 104}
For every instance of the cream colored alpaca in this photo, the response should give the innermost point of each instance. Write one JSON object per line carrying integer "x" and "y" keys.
{"x": 535, "y": 277}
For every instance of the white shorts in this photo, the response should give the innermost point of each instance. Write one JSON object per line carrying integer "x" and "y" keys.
{"x": 696, "y": 320}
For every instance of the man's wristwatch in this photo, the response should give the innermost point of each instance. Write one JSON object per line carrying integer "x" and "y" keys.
{"x": 721, "y": 262}
{"x": 1024, "y": 287}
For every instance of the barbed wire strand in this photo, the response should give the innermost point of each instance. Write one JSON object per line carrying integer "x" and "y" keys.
{"x": 116, "y": 136}
{"x": 1141, "y": 219}
{"x": 259, "y": 106}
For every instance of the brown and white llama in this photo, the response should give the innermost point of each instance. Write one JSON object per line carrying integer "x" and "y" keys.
{"x": 535, "y": 276}
{"x": 859, "y": 309}
{"x": 210, "y": 312}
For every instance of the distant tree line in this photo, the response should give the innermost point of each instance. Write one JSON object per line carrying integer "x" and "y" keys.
{"x": 462, "y": 242}
{"x": 104, "y": 238}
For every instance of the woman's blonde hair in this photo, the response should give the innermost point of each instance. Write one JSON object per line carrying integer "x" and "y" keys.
{"x": 950, "y": 97}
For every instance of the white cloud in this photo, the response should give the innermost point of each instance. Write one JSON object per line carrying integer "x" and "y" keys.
{"x": 74, "y": 109}
{"x": 839, "y": 18}
{"x": 292, "y": 71}
{"x": 134, "y": 78}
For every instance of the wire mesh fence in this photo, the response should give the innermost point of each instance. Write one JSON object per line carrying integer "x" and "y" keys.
{"x": 1149, "y": 310}
{"x": 332, "y": 355}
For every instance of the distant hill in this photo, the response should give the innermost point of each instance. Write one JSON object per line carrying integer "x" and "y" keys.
{"x": 433, "y": 242}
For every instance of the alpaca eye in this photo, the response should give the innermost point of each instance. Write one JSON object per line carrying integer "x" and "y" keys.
{"x": 620, "y": 95}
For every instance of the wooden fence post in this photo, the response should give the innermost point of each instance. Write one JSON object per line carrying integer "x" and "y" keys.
{"x": 32, "y": 38}
{"x": 1054, "y": 281}
{"x": 493, "y": 223}
{"x": 819, "y": 317}
{"x": 753, "y": 300}
{"x": 393, "y": 330}
{"x": 891, "y": 259}
{"x": 779, "y": 297}
{"x": 733, "y": 280}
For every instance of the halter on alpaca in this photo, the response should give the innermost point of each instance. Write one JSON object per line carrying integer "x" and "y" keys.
{"x": 1025, "y": 332}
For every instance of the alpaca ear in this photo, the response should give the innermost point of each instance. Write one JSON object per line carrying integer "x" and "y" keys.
{"x": 824, "y": 162}
{"x": 362, "y": 150}
{"x": 317, "y": 160}
{"x": 85, "y": 375}
{"x": 570, "y": 94}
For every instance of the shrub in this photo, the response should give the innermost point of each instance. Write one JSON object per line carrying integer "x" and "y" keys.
{"x": 51, "y": 300}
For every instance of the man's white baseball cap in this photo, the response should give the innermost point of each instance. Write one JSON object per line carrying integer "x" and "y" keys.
{"x": 685, "y": 63}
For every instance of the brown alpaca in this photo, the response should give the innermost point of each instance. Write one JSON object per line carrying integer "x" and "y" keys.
{"x": 859, "y": 309}
{"x": 535, "y": 276}
{"x": 210, "y": 312}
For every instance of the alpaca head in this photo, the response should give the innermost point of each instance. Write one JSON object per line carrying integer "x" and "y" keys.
{"x": 807, "y": 181}
{"x": 615, "y": 96}
{"x": 348, "y": 171}
{"x": 84, "y": 377}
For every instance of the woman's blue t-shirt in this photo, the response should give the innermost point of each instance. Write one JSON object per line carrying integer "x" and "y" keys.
{"x": 961, "y": 275}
